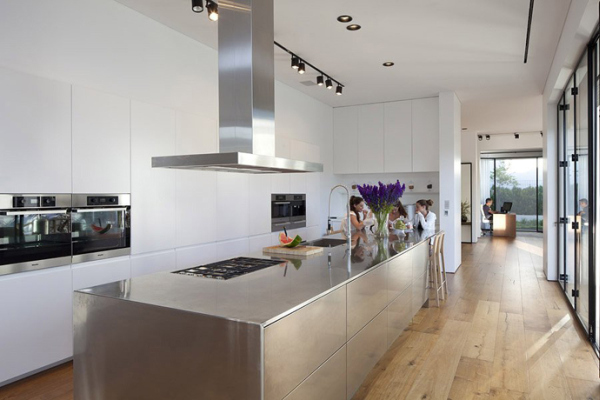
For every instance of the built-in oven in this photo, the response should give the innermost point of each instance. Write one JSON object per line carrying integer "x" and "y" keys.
{"x": 288, "y": 211}
{"x": 35, "y": 232}
{"x": 100, "y": 226}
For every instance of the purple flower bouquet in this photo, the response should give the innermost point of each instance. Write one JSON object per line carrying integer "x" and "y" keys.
{"x": 381, "y": 200}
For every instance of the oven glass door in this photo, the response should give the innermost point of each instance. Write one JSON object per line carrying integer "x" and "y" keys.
{"x": 280, "y": 209}
{"x": 33, "y": 235}
{"x": 100, "y": 229}
{"x": 298, "y": 210}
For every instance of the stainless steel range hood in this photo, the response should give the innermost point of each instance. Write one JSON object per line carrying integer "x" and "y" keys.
{"x": 246, "y": 97}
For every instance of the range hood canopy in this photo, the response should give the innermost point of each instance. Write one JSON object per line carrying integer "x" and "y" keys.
{"x": 246, "y": 97}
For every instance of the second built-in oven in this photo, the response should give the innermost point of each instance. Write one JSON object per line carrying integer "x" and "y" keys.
{"x": 288, "y": 211}
{"x": 100, "y": 226}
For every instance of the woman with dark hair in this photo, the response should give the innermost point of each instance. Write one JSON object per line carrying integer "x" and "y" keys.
{"x": 359, "y": 217}
{"x": 424, "y": 218}
{"x": 398, "y": 213}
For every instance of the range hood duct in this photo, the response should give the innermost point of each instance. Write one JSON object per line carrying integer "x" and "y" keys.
{"x": 246, "y": 97}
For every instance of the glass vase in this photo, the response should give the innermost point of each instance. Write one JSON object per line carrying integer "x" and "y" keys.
{"x": 381, "y": 230}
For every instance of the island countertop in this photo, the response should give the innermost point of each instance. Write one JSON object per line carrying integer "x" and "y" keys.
{"x": 265, "y": 296}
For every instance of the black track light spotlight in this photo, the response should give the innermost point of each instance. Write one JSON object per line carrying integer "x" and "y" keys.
{"x": 197, "y": 6}
{"x": 213, "y": 10}
{"x": 338, "y": 90}
{"x": 541, "y": 133}
{"x": 295, "y": 62}
{"x": 301, "y": 68}
{"x": 487, "y": 137}
{"x": 516, "y": 135}
{"x": 320, "y": 80}
{"x": 328, "y": 83}
{"x": 480, "y": 137}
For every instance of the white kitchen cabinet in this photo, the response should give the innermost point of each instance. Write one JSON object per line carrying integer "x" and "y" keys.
{"x": 397, "y": 151}
{"x": 151, "y": 263}
{"x": 370, "y": 138}
{"x": 101, "y": 142}
{"x": 153, "y": 197}
{"x": 96, "y": 273}
{"x": 35, "y": 132}
{"x": 232, "y": 206}
{"x": 195, "y": 190}
{"x": 193, "y": 256}
{"x": 425, "y": 135}
{"x": 345, "y": 140}
{"x": 259, "y": 204}
{"x": 35, "y": 321}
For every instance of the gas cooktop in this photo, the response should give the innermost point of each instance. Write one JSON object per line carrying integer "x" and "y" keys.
{"x": 229, "y": 268}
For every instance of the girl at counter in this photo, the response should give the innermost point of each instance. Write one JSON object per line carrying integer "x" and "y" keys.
{"x": 398, "y": 213}
{"x": 424, "y": 218}
{"x": 359, "y": 217}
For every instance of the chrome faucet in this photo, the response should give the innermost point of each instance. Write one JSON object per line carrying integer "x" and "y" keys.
{"x": 329, "y": 218}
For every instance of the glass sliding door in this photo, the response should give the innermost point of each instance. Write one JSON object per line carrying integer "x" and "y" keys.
{"x": 562, "y": 194}
{"x": 571, "y": 193}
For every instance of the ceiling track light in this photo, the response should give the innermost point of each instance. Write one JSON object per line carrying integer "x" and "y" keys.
{"x": 300, "y": 65}
{"x": 480, "y": 137}
{"x": 516, "y": 135}
{"x": 301, "y": 68}
{"x": 487, "y": 137}
{"x": 213, "y": 10}
{"x": 197, "y": 6}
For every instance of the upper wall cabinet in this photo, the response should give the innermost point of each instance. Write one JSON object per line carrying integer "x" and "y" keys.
{"x": 425, "y": 134}
{"x": 345, "y": 140}
{"x": 35, "y": 132}
{"x": 370, "y": 138}
{"x": 400, "y": 136}
{"x": 397, "y": 151}
{"x": 101, "y": 142}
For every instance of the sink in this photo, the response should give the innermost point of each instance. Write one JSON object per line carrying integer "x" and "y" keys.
{"x": 327, "y": 242}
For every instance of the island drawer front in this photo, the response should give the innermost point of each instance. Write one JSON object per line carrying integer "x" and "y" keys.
{"x": 400, "y": 275}
{"x": 298, "y": 344}
{"x": 327, "y": 382}
{"x": 419, "y": 293}
{"x": 399, "y": 315}
{"x": 367, "y": 297}
{"x": 364, "y": 350}
{"x": 420, "y": 259}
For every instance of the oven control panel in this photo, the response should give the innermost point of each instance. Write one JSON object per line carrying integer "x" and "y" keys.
{"x": 102, "y": 200}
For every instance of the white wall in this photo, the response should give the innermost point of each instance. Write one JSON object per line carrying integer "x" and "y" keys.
{"x": 469, "y": 154}
{"x": 503, "y": 115}
{"x": 450, "y": 148}
{"x": 171, "y": 82}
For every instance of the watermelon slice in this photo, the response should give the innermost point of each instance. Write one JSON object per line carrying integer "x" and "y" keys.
{"x": 288, "y": 241}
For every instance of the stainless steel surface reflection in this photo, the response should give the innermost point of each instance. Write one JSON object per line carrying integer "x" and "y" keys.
{"x": 267, "y": 295}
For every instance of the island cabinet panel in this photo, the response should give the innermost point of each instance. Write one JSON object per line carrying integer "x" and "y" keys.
{"x": 345, "y": 140}
{"x": 101, "y": 142}
{"x": 400, "y": 275}
{"x": 295, "y": 346}
{"x": 419, "y": 283}
{"x": 35, "y": 117}
{"x": 95, "y": 273}
{"x": 370, "y": 138}
{"x": 35, "y": 321}
{"x": 398, "y": 136}
{"x": 327, "y": 382}
{"x": 400, "y": 314}
{"x": 367, "y": 297}
{"x": 425, "y": 135}
{"x": 364, "y": 350}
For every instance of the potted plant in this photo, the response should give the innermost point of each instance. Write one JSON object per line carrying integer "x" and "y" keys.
{"x": 465, "y": 210}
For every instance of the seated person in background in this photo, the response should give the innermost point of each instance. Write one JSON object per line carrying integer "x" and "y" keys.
{"x": 398, "y": 213}
{"x": 359, "y": 217}
{"x": 424, "y": 219}
{"x": 583, "y": 212}
{"x": 487, "y": 209}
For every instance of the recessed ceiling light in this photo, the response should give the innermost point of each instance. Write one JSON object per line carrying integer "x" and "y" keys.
{"x": 388, "y": 64}
{"x": 353, "y": 27}
{"x": 344, "y": 18}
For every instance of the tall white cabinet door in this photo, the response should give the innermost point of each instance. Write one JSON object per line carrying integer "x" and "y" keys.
{"x": 370, "y": 138}
{"x": 196, "y": 190}
{"x": 101, "y": 142}
{"x": 345, "y": 140}
{"x": 96, "y": 273}
{"x": 398, "y": 136}
{"x": 36, "y": 324}
{"x": 35, "y": 132}
{"x": 153, "y": 198}
{"x": 425, "y": 135}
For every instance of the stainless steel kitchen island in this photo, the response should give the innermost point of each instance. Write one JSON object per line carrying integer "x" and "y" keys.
{"x": 307, "y": 328}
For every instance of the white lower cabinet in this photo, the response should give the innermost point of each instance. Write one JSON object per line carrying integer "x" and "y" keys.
{"x": 35, "y": 321}
{"x": 151, "y": 263}
{"x": 96, "y": 273}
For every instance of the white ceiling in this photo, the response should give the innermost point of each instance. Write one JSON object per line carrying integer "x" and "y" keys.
{"x": 472, "y": 47}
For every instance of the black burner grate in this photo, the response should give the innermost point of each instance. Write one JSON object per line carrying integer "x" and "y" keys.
{"x": 229, "y": 268}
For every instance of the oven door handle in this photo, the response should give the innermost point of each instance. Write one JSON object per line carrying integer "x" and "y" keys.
{"x": 82, "y": 210}
{"x": 40, "y": 212}
{"x": 281, "y": 202}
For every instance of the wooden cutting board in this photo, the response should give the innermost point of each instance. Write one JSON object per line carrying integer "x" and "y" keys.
{"x": 298, "y": 250}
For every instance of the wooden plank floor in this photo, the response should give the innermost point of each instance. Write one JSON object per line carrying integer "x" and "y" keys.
{"x": 503, "y": 333}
